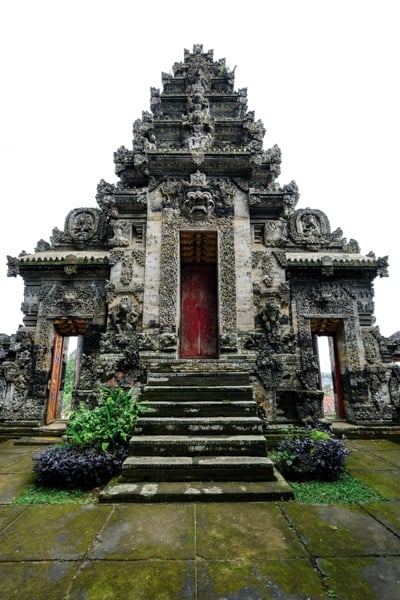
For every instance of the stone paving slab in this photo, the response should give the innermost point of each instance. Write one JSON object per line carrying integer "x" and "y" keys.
{"x": 55, "y": 532}
{"x": 44, "y": 580}
{"x": 20, "y": 464}
{"x": 12, "y": 485}
{"x": 293, "y": 579}
{"x": 135, "y": 580}
{"x": 375, "y": 445}
{"x": 359, "y": 460}
{"x": 8, "y": 514}
{"x": 386, "y": 483}
{"x": 387, "y": 513}
{"x": 244, "y": 531}
{"x": 366, "y": 578}
{"x": 391, "y": 457}
{"x": 7, "y": 460}
{"x": 140, "y": 532}
{"x": 340, "y": 531}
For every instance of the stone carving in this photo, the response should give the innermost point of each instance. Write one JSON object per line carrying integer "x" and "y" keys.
{"x": 309, "y": 227}
{"x": 255, "y": 131}
{"x": 105, "y": 195}
{"x": 197, "y": 165}
{"x": 274, "y": 233}
{"x": 155, "y": 102}
{"x": 228, "y": 342}
{"x": 143, "y": 133}
{"x": 325, "y": 297}
{"x": 83, "y": 227}
{"x": 168, "y": 341}
{"x": 172, "y": 224}
{"x": 198, "y": 203}
{"x": 82, "y": 224}
{"x": 77, "y": 300}
{"x": 124, "y": 316}
{"x": 271, "y": 315}
{"x": 118, "y": 239}
{"x": 13, "y": 267}
{"x": 264, "y": 262}
{"x": 42, "y": 246}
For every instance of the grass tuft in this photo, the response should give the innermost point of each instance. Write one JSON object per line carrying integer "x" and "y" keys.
{"x": 37, "y": 494}
{"x": 346, "y": 490}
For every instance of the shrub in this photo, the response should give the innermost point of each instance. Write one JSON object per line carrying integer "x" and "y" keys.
{"x": 97, "y": 442}
{"x": 310, "y": 455}
{"x": 110, "y": 424}
{"x": 69, "y": 466}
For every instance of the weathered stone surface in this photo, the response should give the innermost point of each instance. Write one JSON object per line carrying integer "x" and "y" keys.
{"x": 198, "y": 187}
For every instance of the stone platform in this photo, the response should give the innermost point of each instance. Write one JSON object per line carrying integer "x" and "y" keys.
{"x": 203, "y": 551}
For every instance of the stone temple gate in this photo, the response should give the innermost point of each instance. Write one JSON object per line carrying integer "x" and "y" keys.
{"x": 196, "y": 264}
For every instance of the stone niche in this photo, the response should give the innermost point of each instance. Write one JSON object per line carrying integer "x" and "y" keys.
{"x": 198, "y": 257}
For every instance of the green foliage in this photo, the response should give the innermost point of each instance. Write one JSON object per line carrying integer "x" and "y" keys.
{"x": 69, "y": 379}
{"x": 345, "y": 490}
{"x": 310, "y": 454}
{"x": 37, "y": 494}
{"x": 108, "y": 425}
{"x": 83, "y": 467}
{"x": 97, "y": 441}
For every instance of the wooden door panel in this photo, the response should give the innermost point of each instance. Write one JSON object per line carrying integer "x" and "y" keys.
{"x": 55, "y": 378}
{"x": 198, "y": 311}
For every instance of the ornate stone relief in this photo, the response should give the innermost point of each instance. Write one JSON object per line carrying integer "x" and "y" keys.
{"x": 121, "y": 230}
{"x": 124, "y": 316}
{"x": 77, "y": 299}
{"x": 83, "y": 227}
{"x": 199, "y": 198}
{"x": 331, "y": 298}
{"x": 262, "y": 262}
{"x": 172, "y": 224}
{"x": 274, "y": 233}
{"x": 13, "y": 267}
{"x": 371, "y": 346}
{"x": 309, "y": 227}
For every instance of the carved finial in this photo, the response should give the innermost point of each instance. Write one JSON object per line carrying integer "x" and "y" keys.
{"x": 198, "y": 178}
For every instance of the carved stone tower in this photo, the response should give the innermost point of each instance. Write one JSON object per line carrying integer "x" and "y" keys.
{"x": 198, "y": 261}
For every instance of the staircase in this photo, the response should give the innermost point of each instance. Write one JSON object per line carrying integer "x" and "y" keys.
{"x": 203, "y": 441}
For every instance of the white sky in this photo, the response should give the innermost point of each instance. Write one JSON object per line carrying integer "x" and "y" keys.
{"x": 322, "y": 75}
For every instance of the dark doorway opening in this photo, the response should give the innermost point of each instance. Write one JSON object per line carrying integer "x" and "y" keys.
{"x": 65, "y": 366}
{"x": 327, "y": 340}
{"x": 199, "y": 295}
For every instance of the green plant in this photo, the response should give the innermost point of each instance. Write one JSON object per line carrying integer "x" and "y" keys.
{"x": 345, "y": 490}
{"x": 37, "y": 494}
{"x": 110, "y": 424}
{"x": 310, "y": 454}
{"x": 69, "y": 466}
{"x": 97, "y": 441}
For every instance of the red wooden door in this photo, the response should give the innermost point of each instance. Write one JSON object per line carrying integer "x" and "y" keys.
{"x": 55, "y": 378}
{"x": 198, "y": 311}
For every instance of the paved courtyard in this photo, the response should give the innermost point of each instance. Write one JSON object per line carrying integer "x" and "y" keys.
{"x": 203, "y": 551}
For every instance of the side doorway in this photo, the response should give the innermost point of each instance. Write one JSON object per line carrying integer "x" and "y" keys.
{"x": 65, "y": 364}
{"x": 327, "y": 337}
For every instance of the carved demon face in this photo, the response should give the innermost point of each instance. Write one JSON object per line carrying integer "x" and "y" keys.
{"x": 198, "y": 204}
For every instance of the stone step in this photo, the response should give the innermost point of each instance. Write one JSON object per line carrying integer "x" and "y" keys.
{"x": 204, "y": 468}
{"x": 198, "y": 393}
{"x": 237, "y": 408}
{"x": 185, "y": 445}
{"x": 204, "y": 379}
{"x": 198, "y": 491}
{"x": 198, "y": 426}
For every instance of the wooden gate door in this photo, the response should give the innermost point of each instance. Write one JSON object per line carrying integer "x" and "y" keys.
{"x": 198, "y": 331}
{"x": 55, "y": 378}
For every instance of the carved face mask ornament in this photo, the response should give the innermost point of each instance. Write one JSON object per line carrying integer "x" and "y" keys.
{"x": 198, "y": 204}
